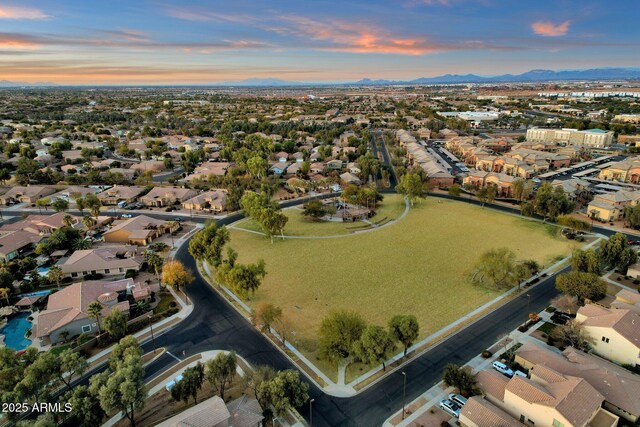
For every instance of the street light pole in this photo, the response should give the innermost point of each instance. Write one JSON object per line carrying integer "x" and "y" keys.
{"x": 404, "y": 391}
{"x": 153, "y": 340}
{"x": 528, "y": 303}
{"x": 311, "y": 412}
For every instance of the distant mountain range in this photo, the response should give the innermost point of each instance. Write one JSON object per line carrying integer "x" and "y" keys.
{"x": 530, "y": 76}
{"x": 7, "y": 83}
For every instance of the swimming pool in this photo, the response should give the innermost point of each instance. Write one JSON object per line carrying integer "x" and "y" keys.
{"x": 14, "y": 331}
{"x": 35, "y": 294}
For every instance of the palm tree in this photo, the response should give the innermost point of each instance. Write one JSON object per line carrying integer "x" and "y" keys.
{"x": 81, "y": 244}
{"x": 95, "y": 310}
{"x": 67, "y": 220}
{"x": 88, "y": 222}
{"x": 4, "y": 293}
{"x": 95, "y": 211}
{"x": 55, "y": 275}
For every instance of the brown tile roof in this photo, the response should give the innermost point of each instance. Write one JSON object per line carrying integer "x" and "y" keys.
{"x": 485, "y": 414}
{"x": 492, "y": 383}
{"x": 624, "y": 321}
{"x": 14, "y": 240}
{"x": 101, "y": 258}
{"x": 618, "y": 386}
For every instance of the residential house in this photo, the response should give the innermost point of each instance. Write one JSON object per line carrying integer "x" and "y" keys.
{"x": 282, "y": 156}
{"x": 140, "y": 230}
{"x": 350, "y": 178}
{"x": 279, "y": 168}
{"x": 419, "y": 156}
{"x": 67, "y": 309}
{"x": 209, "y": 168}
{"x": 28, "y": 194}
{"x": 108, "y": 261}
{"x": 294, "y": 168}
{"x": 627, "y": 170}
{"x": 213, "y": 412}
{"x": 479, "y": 412}
{"x": 610, "y": 206}
{"x": 119, "y": 193}
{"x": 167, "y": 196}
{"x": 615, "y": 330}
{"x": 547, "y": 398}
{"x": 619, "y": 386}
{"x": 17, "y": 243}
{"x": 210, "y": 201}
{"x": 481, "y": 179}
{"x": 333, "y": 165}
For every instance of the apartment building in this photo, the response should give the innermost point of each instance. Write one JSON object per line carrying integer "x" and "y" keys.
{"x": 594, "y": 138}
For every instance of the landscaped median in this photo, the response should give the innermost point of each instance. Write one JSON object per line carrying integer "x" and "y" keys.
{"x": 420, "y": 264}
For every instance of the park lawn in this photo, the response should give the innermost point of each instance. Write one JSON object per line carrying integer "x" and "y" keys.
{"x": 419, "y": 265}
{"x": 391, "y": 208}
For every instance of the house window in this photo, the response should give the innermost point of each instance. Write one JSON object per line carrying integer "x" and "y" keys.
{"x": 74, "y": 274}
{"x": 84, "y": 273}
{"x": 107, "y": 271}
{"x": 557, "y": 423}
{"x": 121, "y": 270}
{"x": 531, "y": 422}
{"x": 521, "y": 418}
{"x": 93, "y": 272}
{"x": 605, "y": 339}
{"x": 86, "y": 328}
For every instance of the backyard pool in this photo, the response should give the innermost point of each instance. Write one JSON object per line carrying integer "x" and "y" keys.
{"x": 35, "y": 294}
{"x": 14, "y": 331}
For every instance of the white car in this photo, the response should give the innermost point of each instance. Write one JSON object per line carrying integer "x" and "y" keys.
{"x": 502, "y": 368}
{"x": 449, "y": 407}
{"x": 127, "y": 216}
{"x": 457, "y": 399}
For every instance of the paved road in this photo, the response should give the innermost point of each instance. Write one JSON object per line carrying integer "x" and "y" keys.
{"x": 214, "y": 324}
{"x": 393, "y": 179}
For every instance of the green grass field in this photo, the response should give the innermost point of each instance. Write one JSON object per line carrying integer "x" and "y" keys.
{"x": 419, "y": 265}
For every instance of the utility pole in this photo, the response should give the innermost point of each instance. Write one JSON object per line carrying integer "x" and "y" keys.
{"x": 404, "y": 392}
{"x": 311, "y": 412}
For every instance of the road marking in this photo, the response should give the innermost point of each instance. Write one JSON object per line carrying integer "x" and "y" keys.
{"x": 175, "y": 357}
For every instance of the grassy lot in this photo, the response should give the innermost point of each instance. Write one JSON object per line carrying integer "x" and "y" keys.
{"x": 419, "y": 265}
{"x": 391, "y": 208}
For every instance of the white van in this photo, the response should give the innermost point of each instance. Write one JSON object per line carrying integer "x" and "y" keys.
{"x": 502, "y": 368}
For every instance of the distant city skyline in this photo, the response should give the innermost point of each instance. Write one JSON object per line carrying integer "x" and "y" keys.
{"x": 199, "y": 42}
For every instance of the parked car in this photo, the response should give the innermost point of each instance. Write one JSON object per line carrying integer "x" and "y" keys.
{"x": 178, "y": 219}
{"x": 127, "y": 216}
{"x": 449, "y": 407}
{"x": 560, "y": 318}
{"x": 502, "y": 368}
{"x": 520, "y": 374}
{"x": 457, "y": 399}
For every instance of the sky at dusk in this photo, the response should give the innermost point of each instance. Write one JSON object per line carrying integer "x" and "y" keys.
{"x": 201, "y": 42}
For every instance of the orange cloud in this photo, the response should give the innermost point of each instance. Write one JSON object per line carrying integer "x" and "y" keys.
{"x": 549, "y": 29}
{"x": 19, "y": 12}
{"x": 9, "y": 41}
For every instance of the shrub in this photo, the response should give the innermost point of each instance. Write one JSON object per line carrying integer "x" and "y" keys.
{"x": 636, "y": 282}
{"x": 522, "y": 328}
{"x": 486, "y": 354}
{"x": 130, "y": 274}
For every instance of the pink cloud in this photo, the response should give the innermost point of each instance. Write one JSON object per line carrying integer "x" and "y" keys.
{"x": 549, "y": 29}
{"x": 19, "y": 12}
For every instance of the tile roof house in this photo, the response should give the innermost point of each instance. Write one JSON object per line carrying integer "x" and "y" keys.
{"x": 610, "y": 206}
{"x": 615, "y": 331}
{"x": 167, "y": 196}
{"x": 619, "y": 386}
{"x": 213, "y": 200}
{"x": 67, "y": 309}
{"x": 479, "y": 412}
{"x": 548, "y": 398}
{"x": 108, "y": 261}
{"x": 120, "y": 193}
{"x": 16, "y": 243}
{"x": 213, "y": 412}
{"x": 627, "y": 170}
{"x": 28, "y": 194}
{"x": 140, "y": 230}
{"x": 482, "y": 179}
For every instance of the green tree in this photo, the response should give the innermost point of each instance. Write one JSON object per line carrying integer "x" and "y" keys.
{"x": 155, "y": 263}
{"x": 71, "y": 366}
{"x": 405, "y": 328}
{"x": 586, "y": 261}
{"x": 88, "y": 222}
{"x": 122, "y": 388}
{"x": 95, "y": 311}
{"x": 573, "y": 223}
{"x": 266, "y": 314}
{"x": 455, "y": 376}
{"x": 631, "y": 216}
{"x": 521, "y": 189}
{"x": 272, "y": 221}
{"x": 244, "y": 279}
{"x": 455, "y": 190}
{"x": 116, "y": 324}
{"x": 43, "y": 202}
{"x": 487, "y": 194}
{"x": 573, "y": 334}
{"x": 257, "y": 167}
{"x": 220, "y": 371}
{"x": 314, "y": 210}
{"x": 496, "y": 268}
{"x": 617, "y": 253}
{"x": 338, "y": 333}
{"x": 374, "y": 346}
{"x": 85, "y": 406}
{"x": 411, "y": 186}
{"x": 551, "y": 202}
{"x": 55, "y": 275}
{"x": 285, "y": 391}
{"x": 208, "y": 243}
{"x": 581, "y": 285}
{"x": 60, "y": 205}
{"x": 190, "y": 384}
